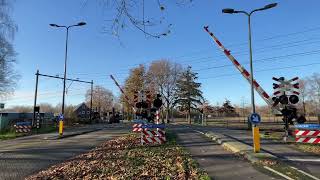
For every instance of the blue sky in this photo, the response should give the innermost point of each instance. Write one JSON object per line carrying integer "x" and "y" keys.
{"x": 283, "y": 37}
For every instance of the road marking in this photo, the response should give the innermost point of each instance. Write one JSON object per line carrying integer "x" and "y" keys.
{"x": 279, "y": 173}
{"x": 307, "y": 174}
{"x": 199, "y": 131}
{"x": 304, "y": 160}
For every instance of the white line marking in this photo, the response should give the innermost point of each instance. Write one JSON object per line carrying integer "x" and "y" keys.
{"x": 280, "y": 174}
{"x": 311, "y": 176}
{"x": 199, "y": 131}
{"x": 304, "y": 160}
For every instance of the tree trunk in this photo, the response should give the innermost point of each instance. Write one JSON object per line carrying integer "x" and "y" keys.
{"x": 189, "y": 116}
{"x": 167, "y": 113}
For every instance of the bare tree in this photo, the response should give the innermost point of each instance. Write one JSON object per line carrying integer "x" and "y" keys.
{"x": 8, "y": 75}
{"x": 303, "y": 93}
{"x": 102, "y": 99}
{"x": 314, "y": 91}
{"x": 164, "y": 75}
{"x": 20, "y": 109}
{"x": 136, "y": 13}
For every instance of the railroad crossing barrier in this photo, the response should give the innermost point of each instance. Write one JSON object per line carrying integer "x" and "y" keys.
{"x": 157, "y": 136}
{"x": 23, "y": 127}
{"x": 137, "y": 128}
{"x": 153, "y": 137}
{"x": 307, "y": 133}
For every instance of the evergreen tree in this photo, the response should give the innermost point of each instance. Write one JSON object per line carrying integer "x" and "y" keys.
{"x": 188, "y": 93}
{"x": 228, "y": 109}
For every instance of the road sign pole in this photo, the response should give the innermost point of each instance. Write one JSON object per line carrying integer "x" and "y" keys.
{"x": 255, "y": 119}
{"x": 256, "y": 139}
{"x": 60, "y": 127}
{"x": 61, "y": 118}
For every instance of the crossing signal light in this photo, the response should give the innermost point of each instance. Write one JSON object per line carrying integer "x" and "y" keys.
{"x": 294, "y": 99}
{"x": 157, "y": 102}
{"x": 139, "y": 105}
{"x": 283, "y": 99}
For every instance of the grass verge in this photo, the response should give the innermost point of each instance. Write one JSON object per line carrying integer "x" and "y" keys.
{"x": 126, "y": 158}
{"x": 11, "y": 134}
{"x": 281, "y": 167}
{"x": 312, "y": 148}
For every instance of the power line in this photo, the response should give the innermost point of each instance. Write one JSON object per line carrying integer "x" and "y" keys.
{"x": 263, "y": 70}
{"x": 266, "y": 59}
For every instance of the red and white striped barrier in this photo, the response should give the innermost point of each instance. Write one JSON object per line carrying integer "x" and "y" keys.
{"x": 137, "y": 128}
{"x": 152, "y": 140}
{"x": 307, "y": 136}
{"x": 23, "y": 128}
{"x": 154, "y": 133}
{"x": 243, "y": 71}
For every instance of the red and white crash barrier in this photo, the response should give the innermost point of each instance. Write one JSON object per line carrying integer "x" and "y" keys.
{"x": 137, "y": 128}
{"x": 152, "y": 140}
{"x": 23, "y": 128}
{"x": 152, "y": 137}
{"x": 154, "y": 133}
{"x": 307, "y": 136}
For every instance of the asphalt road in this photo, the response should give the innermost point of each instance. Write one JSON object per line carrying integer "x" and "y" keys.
{"x": 24, "y": 156}
{"x": 308, "y": 162}
{"x": 216, "y": 161}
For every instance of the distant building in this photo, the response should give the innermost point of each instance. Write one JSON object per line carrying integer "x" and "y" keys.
{"x": 82, "y": 111}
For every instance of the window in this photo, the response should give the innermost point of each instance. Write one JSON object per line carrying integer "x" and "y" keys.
{"x": 83, "y": 112}
{"x": 88, "y": 112}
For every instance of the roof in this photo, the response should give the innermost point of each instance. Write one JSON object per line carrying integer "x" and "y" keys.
{"x": 77, "y": 107}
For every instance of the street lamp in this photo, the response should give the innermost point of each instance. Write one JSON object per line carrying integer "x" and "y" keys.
{"x": 255, "y": 129}
{"x": 65, "y": 62}
{"x": 232, "y": 11}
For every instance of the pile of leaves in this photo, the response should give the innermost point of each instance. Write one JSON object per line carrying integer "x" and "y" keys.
{"x": 313, "y": 148}
{"x": 126, "y": 158}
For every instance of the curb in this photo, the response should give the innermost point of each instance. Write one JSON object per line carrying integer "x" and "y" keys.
{"x": 238, "y": 147}
{"x": 70, "y": 135}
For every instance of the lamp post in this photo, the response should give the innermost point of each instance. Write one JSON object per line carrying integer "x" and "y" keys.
{"x": 232, "y": 11}
{"x": 65, "y": 66}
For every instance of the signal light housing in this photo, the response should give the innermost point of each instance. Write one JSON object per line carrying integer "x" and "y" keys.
{"x": 294, "y": 99}
{"x": 283, "y": 99}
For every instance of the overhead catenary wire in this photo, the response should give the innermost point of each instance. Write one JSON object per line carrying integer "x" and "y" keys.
{"x": 262, "y": 70}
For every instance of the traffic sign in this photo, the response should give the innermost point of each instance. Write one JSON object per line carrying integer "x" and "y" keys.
{"x": 255, "y": 118}
{"x": 23, "y": 123}
{"x": 61, "y": 117}
{"x": 307, "y": 126}
{"x": 160, "y": 126}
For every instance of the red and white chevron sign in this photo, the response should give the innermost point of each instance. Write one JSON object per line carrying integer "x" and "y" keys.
{"x": 307, "y": 136}
{"x": 137, "y": 128}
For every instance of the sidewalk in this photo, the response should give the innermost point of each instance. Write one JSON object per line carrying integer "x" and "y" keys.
{"x": 240, "y": 141}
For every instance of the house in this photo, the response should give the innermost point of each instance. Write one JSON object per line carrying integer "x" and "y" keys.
{"x": 82, "y": 111}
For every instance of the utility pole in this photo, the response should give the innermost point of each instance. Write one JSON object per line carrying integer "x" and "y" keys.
{"x": 91, "y": 101}
{"x": 56, "y": 77}
{"x": 35, "y": 98}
